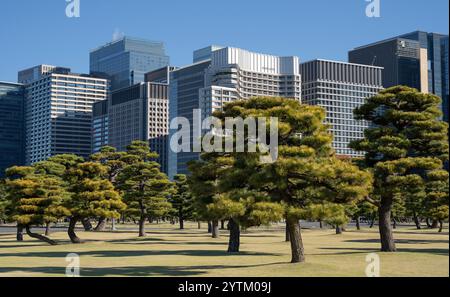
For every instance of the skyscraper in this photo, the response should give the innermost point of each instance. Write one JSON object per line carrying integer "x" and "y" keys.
{"x": 37, "y": 72}
{"x": 140, "y": 112}
{"x": 417, "y": 59}
{"x": 12, "y": 125}
{"x": 126, "y": 61}
{"x": 339, "y": 88}
{"x": 221, "y": 75}
{"x": 185, "y": 84}
{"x": 59, "y": 114}
{"x": 100, "y": 123}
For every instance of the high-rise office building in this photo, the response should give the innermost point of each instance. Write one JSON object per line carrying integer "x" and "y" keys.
{"x": 339, "y": 88}
{"x": 126, "y": 61}
{"x": 12, "y": 125}
{"x": 140, "y": 112}
{"x": 100, "y": 121}
{"x": 37, "y": 72}
{"x": 58, "y": 114}
{"x": 221, "y": 75}
{"x": 185, "y": 84}
{"x": 418, "y": 59}
{"x": 240, "y": 74}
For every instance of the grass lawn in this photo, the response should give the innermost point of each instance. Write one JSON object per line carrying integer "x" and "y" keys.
{"x": 167, "y": 251}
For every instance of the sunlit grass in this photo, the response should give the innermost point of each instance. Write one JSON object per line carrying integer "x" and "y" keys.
{"x": 167, "y": 251}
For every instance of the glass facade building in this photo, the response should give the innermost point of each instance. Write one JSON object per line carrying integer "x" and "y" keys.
{"x": 420, "y": 60}
{"x": 12, "y": 125}
{"x": 126, "y": 61}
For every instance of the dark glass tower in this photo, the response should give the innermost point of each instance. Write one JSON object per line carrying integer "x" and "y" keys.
{"x": 12, "y": 130}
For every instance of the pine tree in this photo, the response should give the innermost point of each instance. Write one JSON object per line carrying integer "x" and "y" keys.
{"x": 37, "y": 197}
{"x": 92, "y": 195}
{"x": 405, "y": 148}
{"x": 306, "y": 170}
{"x": 144, "y": 186}
{"x": 181, "y": 200}
{"x": 114, "y": 162}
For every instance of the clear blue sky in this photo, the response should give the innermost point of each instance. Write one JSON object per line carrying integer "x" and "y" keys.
{"x": 37, "y": 32}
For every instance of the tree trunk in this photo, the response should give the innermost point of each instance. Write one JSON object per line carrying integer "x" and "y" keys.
{"x": 47, "y": 229}
{"x": 434, "y": 224}
{"x": 87, "y": 224}
{"x": 295, "y": 235}
{"x": 358, "y": 225}
{"x": 215, "y": 229}
{"x": 338, "y": 230}
{"x": 441, "y": 226}
{"x": 235, "y": 237}
{"x": 320, "y": 224}
{"x": 417, "y": 221}
{"x": 100, "y": 225}
{"x": 40, "y": 237}
{"x": 180, "y": 218}
{"x": 19, "y": 235}
{"x": 113, "y": 224}
{"x": 142, "y": 226}
{"x": 394, "y": 224}
{"x": 386, "y": 236}
{"x": 428, "y": 223}
{"x": 372, "y": 222}
{"x": 199, "y": 225}
{"x": 222, "y": 225}
{"x": 288, "y": 238}
{"x": 209, "y": 227}
{"x": 71, "y": 231}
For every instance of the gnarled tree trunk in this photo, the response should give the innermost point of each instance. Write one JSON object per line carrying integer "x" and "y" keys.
{"x": 297, "y": 249}
{"x": 87, "y": 224}
{"x": 100, "y": 225}
{"x": 215, "y": 229}
{"x": 40, "y": 237}
{"x": 235, "y": 237}
{"x": 385, "y": 227}
{"x": 441, "y": 226}
{"x": 19, "y": 235}
{"x": 338, "y": 230}
{"x": 71, "y": 231}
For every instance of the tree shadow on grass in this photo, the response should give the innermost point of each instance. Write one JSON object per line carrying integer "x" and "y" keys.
{"x": 401, "y": 241}
{"x": 136, "y": 271}
{"x": 348, "y": 251}
{"x": 139, "y": 253}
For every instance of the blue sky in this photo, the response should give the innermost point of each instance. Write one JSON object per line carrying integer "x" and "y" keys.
{"x": 38, "y": 32}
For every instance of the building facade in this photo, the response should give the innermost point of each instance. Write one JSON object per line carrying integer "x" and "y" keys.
{"x": 12, "y": 125}
{"x": 184, "y": 88}
{"x": 339, "y": 88}
{"x": 140, "y": 112}
{"x": 58, "y": 114}
{"x": 35, "y": 73}
{"x": 418, "y": 59}
{"x": 221, "y": 75}
{"x": 126, "y": 61}
{"x": 100, "y": 123}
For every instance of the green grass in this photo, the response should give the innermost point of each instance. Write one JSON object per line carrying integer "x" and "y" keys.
{"x": 167, "y": 251}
